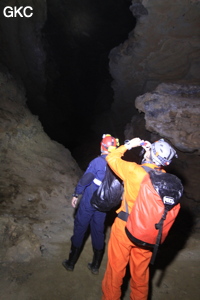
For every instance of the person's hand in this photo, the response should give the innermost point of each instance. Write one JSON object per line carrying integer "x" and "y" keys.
{"x": 146, "y": 145}
{"x": 74, "y": 201}
{"x": 133, "y": 143}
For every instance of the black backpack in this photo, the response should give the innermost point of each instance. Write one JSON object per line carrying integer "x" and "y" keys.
{"x": 109, "y": 193}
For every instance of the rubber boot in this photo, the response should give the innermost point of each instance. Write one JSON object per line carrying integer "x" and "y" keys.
{"x": 97, "y": 257}
{"x": 69, "y": 263}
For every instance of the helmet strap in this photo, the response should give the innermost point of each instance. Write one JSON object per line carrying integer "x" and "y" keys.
{"x": 147, "y": 160}
{"x": 103, "y": 151}
{"x": 144, "y": 161}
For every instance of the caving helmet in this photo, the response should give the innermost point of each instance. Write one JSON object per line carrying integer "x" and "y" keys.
{"x": 109, "y": 143}
{"x": 162, "y": 153}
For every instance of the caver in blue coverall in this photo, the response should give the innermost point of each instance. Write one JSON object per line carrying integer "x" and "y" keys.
{"x": 88, "y": 216}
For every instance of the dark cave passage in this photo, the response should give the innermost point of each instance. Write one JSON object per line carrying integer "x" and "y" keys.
{"x": 78, "y": 79}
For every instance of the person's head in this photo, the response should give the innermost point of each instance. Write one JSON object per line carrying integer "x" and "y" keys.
{"x": 160, "y": 153}
{"x": 108, "y": 143}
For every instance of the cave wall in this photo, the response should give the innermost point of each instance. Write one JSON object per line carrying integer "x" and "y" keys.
{"x": 22, "y": 48}
{"x": 37, "y": 177}
{"x": 163, "y": 47}
{"x": 173, "y": 112}
{"x": 61, "y": 55}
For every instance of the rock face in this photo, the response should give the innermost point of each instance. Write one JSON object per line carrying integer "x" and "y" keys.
{"x": 163, "y": 47}
{"x": 173, "y": 112}
{"x": 21, "y": 46}
{"x": 37, "y": 177}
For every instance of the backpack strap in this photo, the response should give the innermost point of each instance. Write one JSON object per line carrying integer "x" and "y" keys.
{"x": 123, "y": 215}
{"x": 147, "y": 169}
{"x": 158, "y": 226}
{"x": 95, "y": 180}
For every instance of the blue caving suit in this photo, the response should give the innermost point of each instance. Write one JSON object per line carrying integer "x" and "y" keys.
{"x": 86, "y": 214}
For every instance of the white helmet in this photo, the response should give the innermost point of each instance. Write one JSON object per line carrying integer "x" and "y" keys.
{"x": 162, "y": 153}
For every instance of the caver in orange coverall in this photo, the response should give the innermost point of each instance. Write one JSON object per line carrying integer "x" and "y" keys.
{"x": 121, "y": 250}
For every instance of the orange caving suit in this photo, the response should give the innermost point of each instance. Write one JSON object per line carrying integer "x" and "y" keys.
{"x": 121, "y": 250}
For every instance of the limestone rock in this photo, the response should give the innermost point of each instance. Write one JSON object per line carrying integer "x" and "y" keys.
{"x": 37, "y": 178}
{"x": 18, "y": 240}
{"x": 173, "y": 112}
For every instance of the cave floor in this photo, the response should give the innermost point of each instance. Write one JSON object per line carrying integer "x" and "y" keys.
{"x": 45, "y": 277}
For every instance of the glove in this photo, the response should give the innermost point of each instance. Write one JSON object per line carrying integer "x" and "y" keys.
{"x": 74, "y": 202}
{"x": 129, "y": 144}
{"x": 146, "y": 145}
